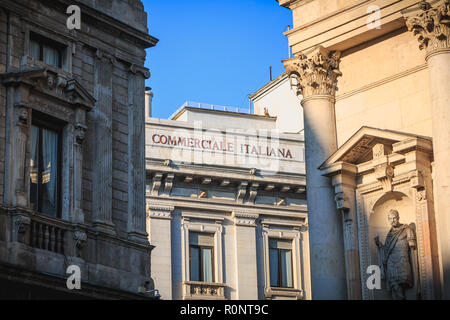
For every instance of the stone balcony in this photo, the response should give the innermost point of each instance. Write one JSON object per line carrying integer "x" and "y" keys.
{"x": 193, "y": 290}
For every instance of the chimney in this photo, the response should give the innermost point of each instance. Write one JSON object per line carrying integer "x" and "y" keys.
{"x": 148, "y": 103}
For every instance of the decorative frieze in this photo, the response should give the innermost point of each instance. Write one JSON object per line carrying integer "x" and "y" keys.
{"x": 316, "y": 73}
{"x": 245, "y": 219}
{"x": 431, "y": 26}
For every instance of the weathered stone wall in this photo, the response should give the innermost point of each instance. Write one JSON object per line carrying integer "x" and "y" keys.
{"x": 105, "y": 57}
{"x": 386, "y": 76}
{"x": 3, "y": 45}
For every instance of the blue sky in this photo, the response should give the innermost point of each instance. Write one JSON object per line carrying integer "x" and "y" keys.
{"x": 213, "y": 51}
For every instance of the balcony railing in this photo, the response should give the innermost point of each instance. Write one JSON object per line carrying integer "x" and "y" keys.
{"x": 199, "y": 105}
{"x": 46, "y": 233}
{"x": 203, "y": 290}
{"x": 47, "y": 237}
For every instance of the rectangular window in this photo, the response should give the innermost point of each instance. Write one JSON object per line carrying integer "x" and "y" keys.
{"x": 45, "y": 166}
{"x": 201, "y": 256}
{"x": 48, "y": 51}
{"x": 280, "y": 259}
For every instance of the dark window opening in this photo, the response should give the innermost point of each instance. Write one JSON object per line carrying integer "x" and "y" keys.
{"x": 280, "y": 259}
{"x": 47, "y": 50}
{"x": 201, "y": 257}
{"x": 45, "y": 165}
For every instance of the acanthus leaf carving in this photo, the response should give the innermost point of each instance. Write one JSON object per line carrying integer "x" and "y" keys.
{"x": 316, "y": 73}
{"x": 431, "y": 26}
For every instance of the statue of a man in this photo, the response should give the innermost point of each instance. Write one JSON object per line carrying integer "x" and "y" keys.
{"x": 398, "y": 257}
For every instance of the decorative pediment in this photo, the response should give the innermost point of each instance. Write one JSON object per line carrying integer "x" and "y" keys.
{"x": 52, "y": 84}
{"x": 370, "y": 143}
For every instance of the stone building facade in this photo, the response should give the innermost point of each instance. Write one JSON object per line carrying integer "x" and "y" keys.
{"x": 226, "y": 206}
{"x": 374, "y": 76}
{"x": 72, "y": 163}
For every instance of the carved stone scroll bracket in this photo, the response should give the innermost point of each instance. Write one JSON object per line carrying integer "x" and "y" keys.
{"x": 385, "y": 173}
{"x": 105, "y": 57}
{"x": 21, "y": 228}
{"x": 253, "y": 192}
{"x": 168, "y": 183}
{"x": 316, "y": 72}
{"x": 341, "y": 200}
{"x": 80, "y": 239}
{"x": 242, "y": 191}
{"x": 156, "y": 184}
{"x": 416, "y": 180}
{"x": 134, "y": 69}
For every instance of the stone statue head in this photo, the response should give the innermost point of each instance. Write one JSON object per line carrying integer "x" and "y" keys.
{"x": 394, "y": 218}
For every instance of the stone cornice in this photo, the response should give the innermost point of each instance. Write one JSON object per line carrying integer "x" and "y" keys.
{"x": 316, "y": 73}
{"x": 90, "y": 13}
{"x": 431, "y": 26}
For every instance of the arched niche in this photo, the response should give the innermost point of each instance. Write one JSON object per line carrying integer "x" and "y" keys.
{"x": 379, "y": 226}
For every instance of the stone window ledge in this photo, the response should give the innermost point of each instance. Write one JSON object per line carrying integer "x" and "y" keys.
{"x": 292, "y": 293}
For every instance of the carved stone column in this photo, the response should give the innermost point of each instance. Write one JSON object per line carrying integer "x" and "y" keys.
{"x": 316, "y": 74}
{"x": 136, "y": 153}
{"x": 431, "y": 26}
{"x": 344, "y": 181}
{"x": 103, "y": 155}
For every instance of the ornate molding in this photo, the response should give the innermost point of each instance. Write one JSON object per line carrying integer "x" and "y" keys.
{"x": 242, "y": 191}
{"x": 156, "y": 184}
{"x": 316, "y": 74}
{"x": 23, "y": 115}
{"x": 385, "y": 173}
{"x": 245, "y": 219}
{"x": 80, "y": 240}
{"x": 431, "y": 26}
{"x": 80, "y": 133}
{"x": 105, "y": 57}
{"x": 134, "y": 69}
{"x": 22, "y": 224}
{"x": 168, "y": 183}
{"x": 159, "y": 212}
{"x": 342, "y": 201}
{"x": 253, "y": 192}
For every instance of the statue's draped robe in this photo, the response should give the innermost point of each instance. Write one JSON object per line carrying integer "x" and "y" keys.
{"x": 396, "y": 256}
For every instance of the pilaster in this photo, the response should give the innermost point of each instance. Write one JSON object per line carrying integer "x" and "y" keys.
{"x": 103, "y": 153}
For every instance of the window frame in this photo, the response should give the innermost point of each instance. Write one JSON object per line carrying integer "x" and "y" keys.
{"x": 280, "y": 270}
{"x": 43, "y": 121}
{"x": 42, "y": 40}
{"x": 200, "y": 247}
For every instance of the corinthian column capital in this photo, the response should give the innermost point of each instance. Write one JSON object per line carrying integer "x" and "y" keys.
{"x": 431, "y": 26}
{"x": 316, "y": 72}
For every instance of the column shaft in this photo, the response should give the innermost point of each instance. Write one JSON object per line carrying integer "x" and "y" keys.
{"x": 325, "y": 226}
{"x": 439, "y": 69}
